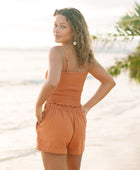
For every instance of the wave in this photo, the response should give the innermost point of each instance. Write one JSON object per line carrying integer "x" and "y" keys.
{"x": 23, "y": 83}
{"x": 27, "y": 82}
{"x": 13, "y": 126}
{"x": 25, "y": 153}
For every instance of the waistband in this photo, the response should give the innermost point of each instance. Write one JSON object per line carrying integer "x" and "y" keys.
{"x": 63, "y": 104}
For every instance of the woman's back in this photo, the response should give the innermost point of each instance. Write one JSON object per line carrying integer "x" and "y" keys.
{"x": 69, "y": 89}
{"x": 71, "y": 61}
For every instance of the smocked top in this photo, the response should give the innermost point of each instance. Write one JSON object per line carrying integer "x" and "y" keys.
{"x": 70, "y": 86}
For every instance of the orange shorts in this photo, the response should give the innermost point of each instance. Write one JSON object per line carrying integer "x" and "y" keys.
{"x": 62, "y": 130}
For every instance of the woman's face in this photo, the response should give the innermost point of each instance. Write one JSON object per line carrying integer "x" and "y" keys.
{"x": 62, "y": 30}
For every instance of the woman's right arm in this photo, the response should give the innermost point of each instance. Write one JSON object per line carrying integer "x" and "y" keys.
{"x": 107, "y": 83}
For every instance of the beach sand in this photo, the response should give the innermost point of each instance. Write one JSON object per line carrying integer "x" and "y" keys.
{"x": 112, "y": 144}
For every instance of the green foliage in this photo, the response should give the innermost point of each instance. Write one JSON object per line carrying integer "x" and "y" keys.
{"x": 126, "y": 29}
{"x": 130, "y": 23}
{"x": 131, "y": 63}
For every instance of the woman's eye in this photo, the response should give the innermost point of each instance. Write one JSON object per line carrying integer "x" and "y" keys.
{"x": 55, "y": 25}
{"x": 62, "y": 26}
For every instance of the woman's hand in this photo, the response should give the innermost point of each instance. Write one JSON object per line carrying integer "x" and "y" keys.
{"x": 85, "y": 110}
{"x": 38, "y": 113}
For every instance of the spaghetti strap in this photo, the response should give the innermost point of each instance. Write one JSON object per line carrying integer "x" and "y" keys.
{"x": 67, "y": 58}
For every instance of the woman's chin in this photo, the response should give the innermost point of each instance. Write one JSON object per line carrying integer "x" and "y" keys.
{"x": 57, "y": 41}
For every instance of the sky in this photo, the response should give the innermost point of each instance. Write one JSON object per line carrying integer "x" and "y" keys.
{"x": 29, "y": 23}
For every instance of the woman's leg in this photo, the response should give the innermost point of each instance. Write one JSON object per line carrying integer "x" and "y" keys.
{"x": 53, "y": 161}
{"x": 74, "y": 162}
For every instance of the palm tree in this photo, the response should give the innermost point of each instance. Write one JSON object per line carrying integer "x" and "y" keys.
{"x": 127, "y": 28}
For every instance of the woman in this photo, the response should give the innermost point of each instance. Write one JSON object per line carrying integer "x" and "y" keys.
{"x": 61, "y": 125}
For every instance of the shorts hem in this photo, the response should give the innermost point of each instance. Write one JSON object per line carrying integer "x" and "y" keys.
{"x": 74, "y": 152}
{"x": 50, "y": 150}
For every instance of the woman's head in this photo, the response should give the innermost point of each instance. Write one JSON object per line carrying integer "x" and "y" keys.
{"x": 78, "y": 32}
{"x": 62, "y": 30}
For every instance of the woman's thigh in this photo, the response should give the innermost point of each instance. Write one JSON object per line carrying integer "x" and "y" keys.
{"x": 74, "y": 162}
{"x": 52, "y": 161}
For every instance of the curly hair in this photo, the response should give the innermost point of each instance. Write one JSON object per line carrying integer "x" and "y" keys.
{"x": 81, "y": 34}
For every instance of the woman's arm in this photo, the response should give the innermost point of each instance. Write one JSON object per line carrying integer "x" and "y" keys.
{"x": 55, "y": 61}
{"x": 107, "y": 83}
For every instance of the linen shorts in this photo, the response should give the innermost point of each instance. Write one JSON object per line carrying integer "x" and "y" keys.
{"x": 62, "y": 130}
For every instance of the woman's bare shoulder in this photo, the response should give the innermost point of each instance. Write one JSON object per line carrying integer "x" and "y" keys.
{"x": 56, "y": 50}
{"x": 91, "y": 65}
{"x": 99, "y": 72}
{"x": 55, "y": 53}
{"x": 95, "y": 67}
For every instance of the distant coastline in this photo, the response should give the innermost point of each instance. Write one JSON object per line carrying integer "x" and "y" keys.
{"x": 116, "y": 47}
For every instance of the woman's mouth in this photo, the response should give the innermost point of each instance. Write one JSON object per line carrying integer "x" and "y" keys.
{"x": 57, "y": 36}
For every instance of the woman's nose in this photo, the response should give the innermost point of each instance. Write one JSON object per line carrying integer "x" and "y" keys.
{"x": 56, "y": 29}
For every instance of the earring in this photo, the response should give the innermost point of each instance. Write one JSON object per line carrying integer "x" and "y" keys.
{"x": 74, "y": 43}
